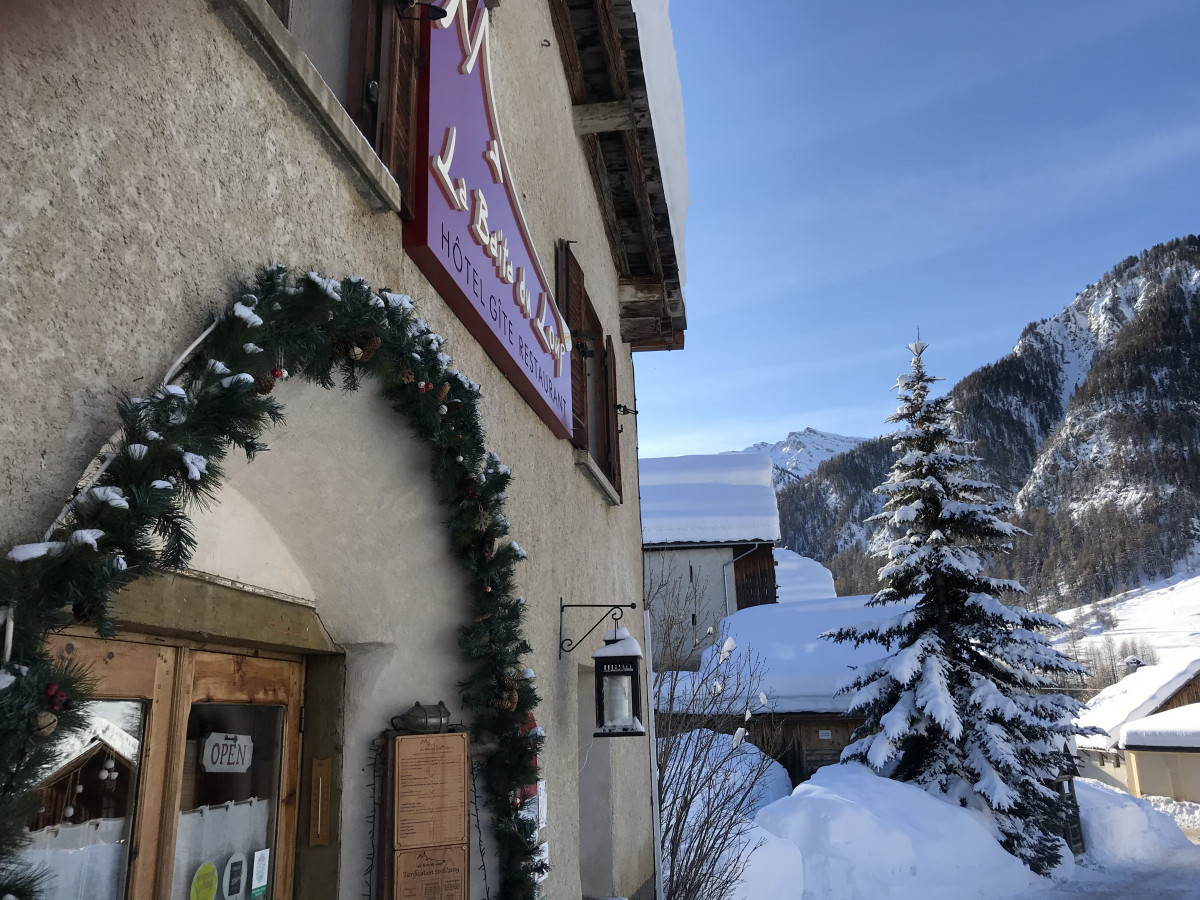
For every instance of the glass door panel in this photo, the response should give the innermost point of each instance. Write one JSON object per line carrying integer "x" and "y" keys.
{"x": 229, "y": 798}
{"x": 101, "y": 798}
{"x": 82, "y": 834}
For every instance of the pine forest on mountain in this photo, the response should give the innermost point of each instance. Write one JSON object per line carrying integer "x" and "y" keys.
{"x": 1091, "y": 424}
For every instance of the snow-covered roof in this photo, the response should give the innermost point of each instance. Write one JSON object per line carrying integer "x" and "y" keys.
{"x": 803, "y": 671}
{"x": 1136, "y": 696}
{"x": 719, "y": 499}
{"x": 1179, "y": 727}
{"x": 665, "y": 95}
{"x": 99, "y": 731}
{"x": 800, "y": 578}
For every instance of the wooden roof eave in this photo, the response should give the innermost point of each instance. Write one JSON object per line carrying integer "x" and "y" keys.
{"x": 601, "y": 53}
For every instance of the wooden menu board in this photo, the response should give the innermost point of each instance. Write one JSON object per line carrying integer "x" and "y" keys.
{"x": 432, "y": 873}
{"x": 423, "y": 825}
{"x": 431, "y": 790}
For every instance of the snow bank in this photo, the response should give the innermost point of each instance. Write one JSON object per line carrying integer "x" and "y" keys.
{"x": 863, "y": 837}
{"x": 707, "y": 499}
{"x": 800, "y": 578}
{"x": 1136, "y": 696}
{"x": 804, "y": 671}
{"x": 731, "y": 767}
{"x": 1119, "y": 828}
{"x": 775, "y": 869}
{"x": 1179, "y": 727}
{"x": 1185, "y": 813}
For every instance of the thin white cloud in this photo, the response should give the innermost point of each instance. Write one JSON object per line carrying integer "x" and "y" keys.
{"x": 850, "y": 230}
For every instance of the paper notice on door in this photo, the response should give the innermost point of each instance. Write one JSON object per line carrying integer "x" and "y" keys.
{"x": 259, "y": 874}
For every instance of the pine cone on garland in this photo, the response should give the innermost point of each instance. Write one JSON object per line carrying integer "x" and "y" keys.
{"x": 507, "y": 700}
{"x": 487, "y": 545}
{"x": 264, "y": 384}
{"x": 370, "y": 345}
{"x": 443, "y": 390}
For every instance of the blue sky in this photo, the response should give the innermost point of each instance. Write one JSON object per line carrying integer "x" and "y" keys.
{"x": 859, "y": 169}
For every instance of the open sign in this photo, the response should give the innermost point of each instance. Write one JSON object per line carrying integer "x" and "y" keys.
{"x": 222, "y": 752}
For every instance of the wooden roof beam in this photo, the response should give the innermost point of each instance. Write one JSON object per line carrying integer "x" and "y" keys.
{"x": 614, "y": 52}
{"x": 572, "y": 65}
{"x": 641, "y": 197}
{"x": 594, "y": 118}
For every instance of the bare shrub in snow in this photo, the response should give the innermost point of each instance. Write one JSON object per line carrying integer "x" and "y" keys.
{"x": 711, "y": 776}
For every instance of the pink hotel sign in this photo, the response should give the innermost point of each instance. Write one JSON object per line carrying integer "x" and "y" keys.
{"x": 469, "y": 237}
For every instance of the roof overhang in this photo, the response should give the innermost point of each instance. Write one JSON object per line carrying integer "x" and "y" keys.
{"x": 602, "y": 58}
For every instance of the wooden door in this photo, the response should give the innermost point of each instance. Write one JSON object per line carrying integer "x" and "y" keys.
{"x": 182, "y": 701}
{"x": 224, "y": 696}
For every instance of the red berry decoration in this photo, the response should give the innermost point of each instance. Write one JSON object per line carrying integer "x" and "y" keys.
{"x": 277, "y": 372}
{"x": 51, "y": 689}
{"x": 60, "y": 698}
{"x": 487, "y": 589}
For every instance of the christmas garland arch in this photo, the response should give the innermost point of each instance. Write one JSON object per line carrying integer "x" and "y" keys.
{"x": 132, "y": 521}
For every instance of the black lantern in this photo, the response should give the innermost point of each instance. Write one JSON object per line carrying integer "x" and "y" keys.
{"x": 619, "y": 686}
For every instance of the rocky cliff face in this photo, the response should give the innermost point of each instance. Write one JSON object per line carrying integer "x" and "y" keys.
{"x": 1092, "y": 423}
{"x": 801, "y": 452}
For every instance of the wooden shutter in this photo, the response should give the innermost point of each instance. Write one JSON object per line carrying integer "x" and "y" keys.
{"x": 608, "y": 409}
{"x": 571, "y": 294}
{"x": 362, "y": 82}
{"x": 398, "y": 102}
{"x": 381, "y": 91}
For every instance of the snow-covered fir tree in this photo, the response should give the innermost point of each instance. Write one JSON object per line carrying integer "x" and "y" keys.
{"x": 963, "y": 704}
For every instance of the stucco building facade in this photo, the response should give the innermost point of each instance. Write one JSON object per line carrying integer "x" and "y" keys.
{"x": 158, "y": 154}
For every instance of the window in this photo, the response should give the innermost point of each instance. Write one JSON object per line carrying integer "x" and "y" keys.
{"x": 381, "y": 91}
{"x": 593, "y": 372}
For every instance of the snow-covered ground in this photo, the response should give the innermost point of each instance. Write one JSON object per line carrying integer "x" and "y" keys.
{"x": 1164, "y": 614}
{"x": 848, "y": 834}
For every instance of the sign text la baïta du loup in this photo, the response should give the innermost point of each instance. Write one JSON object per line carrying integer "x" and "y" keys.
{"x": 469, "y": 236}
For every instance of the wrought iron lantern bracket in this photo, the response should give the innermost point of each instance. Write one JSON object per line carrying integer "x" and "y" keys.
{"x": 613, "y": 610}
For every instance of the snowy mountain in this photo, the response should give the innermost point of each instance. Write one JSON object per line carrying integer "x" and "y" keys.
{"x": 1092, "y": 423}
{"x": 801, "y": 452}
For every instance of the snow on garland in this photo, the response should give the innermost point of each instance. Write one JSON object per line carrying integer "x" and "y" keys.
{"x": 133, "y": 522}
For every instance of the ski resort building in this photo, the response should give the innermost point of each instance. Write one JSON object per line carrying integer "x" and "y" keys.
{"x": 709, "y": 525}
{"x": 1132, "y": 710}
{"x": 512, "y": 174}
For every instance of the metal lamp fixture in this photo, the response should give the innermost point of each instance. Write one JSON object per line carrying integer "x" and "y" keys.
{"x": 424, "y": 719}
{"x": 619, "y": 686}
